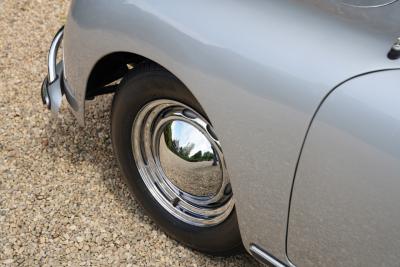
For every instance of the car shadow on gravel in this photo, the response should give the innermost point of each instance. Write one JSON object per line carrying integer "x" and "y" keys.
{"x": 88, "y": 152}
{"x": 90, "y": 148}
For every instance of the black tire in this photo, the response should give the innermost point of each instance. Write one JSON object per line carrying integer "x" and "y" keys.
{"x": 145, "y": 83}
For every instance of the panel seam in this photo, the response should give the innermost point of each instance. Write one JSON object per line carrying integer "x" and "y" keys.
{"x": 304, "y": 141}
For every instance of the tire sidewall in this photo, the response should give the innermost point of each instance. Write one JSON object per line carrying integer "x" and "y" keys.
{"x": 136, "y": 91}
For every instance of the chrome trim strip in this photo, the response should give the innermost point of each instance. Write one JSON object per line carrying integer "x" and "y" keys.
{"x": 368, "y": 6}
{"x": 264, "y": 257}
{"x": 52, "y": 56}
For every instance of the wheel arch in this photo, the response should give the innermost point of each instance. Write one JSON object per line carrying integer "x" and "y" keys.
{"x": 108, "y": 69}
{"x": 114, "y": 66}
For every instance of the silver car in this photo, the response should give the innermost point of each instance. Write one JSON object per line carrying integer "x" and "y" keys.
{"x": 272, "y": 126}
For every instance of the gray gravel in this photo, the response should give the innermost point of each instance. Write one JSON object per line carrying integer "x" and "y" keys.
{"x": 62, "y": 200}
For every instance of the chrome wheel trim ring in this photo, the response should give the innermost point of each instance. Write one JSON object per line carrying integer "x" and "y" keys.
{"x": 147, "y": 133}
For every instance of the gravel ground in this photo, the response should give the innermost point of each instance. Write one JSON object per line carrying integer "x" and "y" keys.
{"x": 62, "y": 201}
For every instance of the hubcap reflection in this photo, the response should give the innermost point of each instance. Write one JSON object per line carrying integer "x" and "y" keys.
{"x": 181, "y": 163}
{"x": 189, "y": 161}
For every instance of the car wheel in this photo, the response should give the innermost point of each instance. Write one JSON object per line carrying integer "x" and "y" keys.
{"x": 172, "y": 160}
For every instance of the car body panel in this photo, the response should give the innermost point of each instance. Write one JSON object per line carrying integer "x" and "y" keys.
{"x": 345, "y": 209}
{"x": 259, "y": 69}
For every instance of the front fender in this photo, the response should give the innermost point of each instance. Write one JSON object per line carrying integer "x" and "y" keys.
{"x": 258, "y": 68}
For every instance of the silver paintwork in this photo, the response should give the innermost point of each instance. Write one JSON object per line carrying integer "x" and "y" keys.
{"x": 238, "y": 60}
{"x": 171, "y": 145}
{"x": 345, "y": 205}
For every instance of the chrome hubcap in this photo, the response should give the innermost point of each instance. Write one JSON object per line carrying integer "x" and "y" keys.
{"x": 180, "y": 160}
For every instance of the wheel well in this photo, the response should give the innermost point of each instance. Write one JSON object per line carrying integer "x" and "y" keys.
{"x": 109, "y": 69}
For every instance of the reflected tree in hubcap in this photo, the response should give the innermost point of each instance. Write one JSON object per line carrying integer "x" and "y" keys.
{"x": 189, "y": 161}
